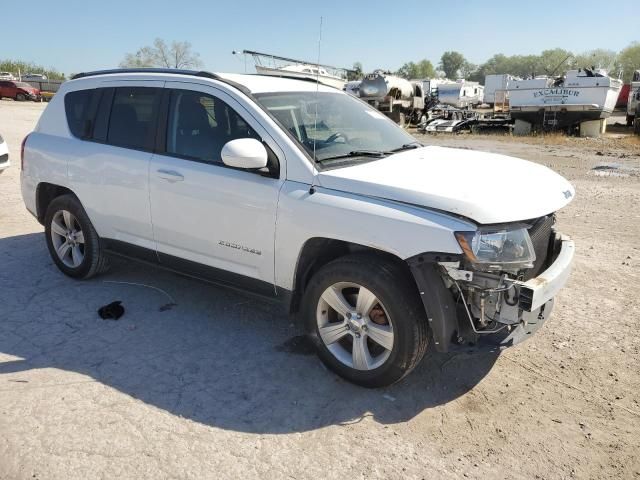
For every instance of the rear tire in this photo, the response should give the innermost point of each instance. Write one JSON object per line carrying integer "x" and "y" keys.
{"x": 383, "y": 317}
{"x": 72, "y": 241}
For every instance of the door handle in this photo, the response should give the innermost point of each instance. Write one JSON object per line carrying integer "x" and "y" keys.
{"x": 170, "y": 175}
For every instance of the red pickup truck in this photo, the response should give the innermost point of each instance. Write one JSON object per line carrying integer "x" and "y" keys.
{"x": 18, "y": 90}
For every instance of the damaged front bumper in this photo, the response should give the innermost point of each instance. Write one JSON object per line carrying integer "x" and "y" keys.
{"x": 517, "y": 308}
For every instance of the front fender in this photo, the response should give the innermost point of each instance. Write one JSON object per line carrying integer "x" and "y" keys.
{"x": 399, "y": 229}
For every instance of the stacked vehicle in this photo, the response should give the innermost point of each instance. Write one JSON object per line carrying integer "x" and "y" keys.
{"x": 633, "y": 104}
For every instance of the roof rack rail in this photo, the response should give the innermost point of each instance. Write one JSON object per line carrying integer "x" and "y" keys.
{"x": 293, "y": 77}
{"x": 178, "y": 71}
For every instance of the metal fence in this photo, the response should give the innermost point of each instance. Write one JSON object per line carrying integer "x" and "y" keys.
{"x": 45, "y": 85}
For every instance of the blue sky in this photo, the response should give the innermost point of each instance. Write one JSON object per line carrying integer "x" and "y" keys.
{"x": 78, "y": 35}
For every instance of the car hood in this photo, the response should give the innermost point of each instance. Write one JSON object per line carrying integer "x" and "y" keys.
{"x": 485, "y": 187}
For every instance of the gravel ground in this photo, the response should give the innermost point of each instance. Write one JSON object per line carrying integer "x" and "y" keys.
{"x": 215, "y": 387}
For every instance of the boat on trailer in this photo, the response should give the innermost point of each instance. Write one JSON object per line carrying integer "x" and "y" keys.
{"x": 581, "y": 96}
{"x": 267, "y": 64}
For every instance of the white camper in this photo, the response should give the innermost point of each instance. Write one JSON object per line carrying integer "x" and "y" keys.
{"x": 461, "y": 94}
{"x": 493, "y": 83}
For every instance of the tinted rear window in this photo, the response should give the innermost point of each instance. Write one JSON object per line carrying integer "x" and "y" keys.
{"x": 133, "y": 117}
{"x": 80, "y": 107}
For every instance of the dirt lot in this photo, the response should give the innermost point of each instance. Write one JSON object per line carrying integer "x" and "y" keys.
{"x": 212, "y": 389}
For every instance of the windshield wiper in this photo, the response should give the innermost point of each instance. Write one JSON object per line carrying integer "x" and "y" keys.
{"x": 356, "y": 153}
{"x": 406, "y": 146}
{"x": 372, "y": 153}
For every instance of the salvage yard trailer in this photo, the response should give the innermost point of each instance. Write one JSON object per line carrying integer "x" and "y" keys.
{"x": 634, "y": 99}
{"x": 493, "y": 83}
{"x": 461, "y": 94}
{"x": 399, "y": 99}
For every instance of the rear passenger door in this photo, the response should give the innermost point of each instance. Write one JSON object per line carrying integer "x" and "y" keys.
{"x": 110, "y": 171}
{"x": 211, "y": 220}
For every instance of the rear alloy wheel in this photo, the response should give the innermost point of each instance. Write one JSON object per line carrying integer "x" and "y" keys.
{"x": 73, "y": 243}
{"x": 364, "y": 315}
{"x": 67, "y": 238}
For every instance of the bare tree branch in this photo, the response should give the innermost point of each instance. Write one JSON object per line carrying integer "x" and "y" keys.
{"x": 176, "y": 55}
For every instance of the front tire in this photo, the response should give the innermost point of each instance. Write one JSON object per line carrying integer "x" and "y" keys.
{"x": 20, "y": 97}
{"x": 364, "y": 315}
{"x": 72, "y": 241}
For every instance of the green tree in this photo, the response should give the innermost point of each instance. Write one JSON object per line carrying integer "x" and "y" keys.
{"x": 555, "y": 61}
{"x": 22, "y": 67}
{"x": 468, "y": 69}
{"x": 422, "y": 69}
{"x": 598, "y": 58}
{"x": 160, "y": 54}
{"x": 451, "y": 63}
{"x": 356, "y": 72}
{"x": 629, "y": 60}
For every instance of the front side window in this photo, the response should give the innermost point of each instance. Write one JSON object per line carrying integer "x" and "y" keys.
{"x": 200, "y": 125}
{"x": 332, "y": 126}
{"x": 133, "y": 117}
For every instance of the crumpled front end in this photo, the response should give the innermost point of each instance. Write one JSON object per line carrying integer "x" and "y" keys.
{"x": 491, "y": 304}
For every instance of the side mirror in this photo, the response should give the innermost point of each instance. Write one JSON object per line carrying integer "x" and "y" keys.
{"x": 247, "y": 153}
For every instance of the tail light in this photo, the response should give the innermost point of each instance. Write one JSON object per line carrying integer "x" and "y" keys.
{"x": 24, "y": 142}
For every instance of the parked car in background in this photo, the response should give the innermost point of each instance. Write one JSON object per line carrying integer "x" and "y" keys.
{"x": 380, "y": 246}
{"x": 4, "y": 155}
{"x": 19, "y": 91}
{"x": 47, "y": 96}
{"x": 38, "y": 77}
{"x": 7, "y": 76}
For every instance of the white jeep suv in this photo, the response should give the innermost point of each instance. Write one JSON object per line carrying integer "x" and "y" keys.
{"x": 305, "y": 194}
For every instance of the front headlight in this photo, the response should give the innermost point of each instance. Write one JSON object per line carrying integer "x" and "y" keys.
{"x": 498, "y": 248}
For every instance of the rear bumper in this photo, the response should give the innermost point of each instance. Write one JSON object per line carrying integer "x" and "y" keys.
{"x": 28, "y": 190}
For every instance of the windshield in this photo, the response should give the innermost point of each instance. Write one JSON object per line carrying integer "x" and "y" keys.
{"x": 344, "y": 126}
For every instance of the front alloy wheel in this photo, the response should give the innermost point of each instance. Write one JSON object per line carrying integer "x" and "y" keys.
{"x": 363, "y": 313}
{"x": 354, "y": 326}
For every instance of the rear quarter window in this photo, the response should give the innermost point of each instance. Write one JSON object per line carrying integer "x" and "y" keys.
{"x": 80, "y": 107}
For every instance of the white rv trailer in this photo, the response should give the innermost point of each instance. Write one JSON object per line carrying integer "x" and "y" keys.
{"x": 634, "y": 99}
{"x": 573, "y": 100}
{"x": 430, "y": 85}
{"x": 493, "y": 83}
{"x": 461, "y": 94}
